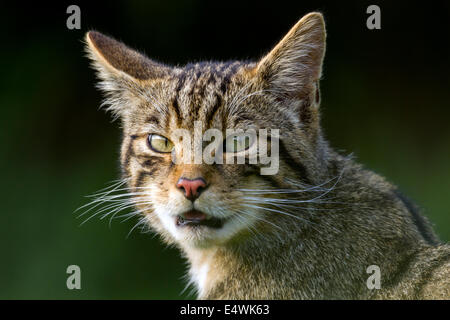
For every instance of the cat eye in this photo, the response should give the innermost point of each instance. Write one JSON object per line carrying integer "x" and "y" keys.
{"x": 159, "y": 143}
{"x": 237, "y": 143}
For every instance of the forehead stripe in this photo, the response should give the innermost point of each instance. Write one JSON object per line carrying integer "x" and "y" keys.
{"x": 215, "y": 108}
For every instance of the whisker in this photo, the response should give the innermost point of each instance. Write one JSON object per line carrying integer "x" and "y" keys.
{"x": 100, "y": 201}
{"x": 116, "y": 183}
{"x": 139, "y": 223}
{"x": 278, "y": 211}
{"x": 260, "y": 218}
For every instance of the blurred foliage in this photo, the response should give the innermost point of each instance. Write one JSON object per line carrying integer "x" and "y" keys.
{"x": 385, "y": 98}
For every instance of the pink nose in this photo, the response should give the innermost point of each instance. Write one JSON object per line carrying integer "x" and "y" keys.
{"x": 191, "y": 187}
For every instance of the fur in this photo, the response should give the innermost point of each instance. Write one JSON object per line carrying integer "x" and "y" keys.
{"x": 308, "y": 232}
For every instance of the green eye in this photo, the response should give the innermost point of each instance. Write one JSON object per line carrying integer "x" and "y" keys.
{"x": 159, "y": 143}
{"x": 237, "y": 143}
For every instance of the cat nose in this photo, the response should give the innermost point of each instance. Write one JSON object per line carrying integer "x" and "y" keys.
{"x": 191, "y": 187}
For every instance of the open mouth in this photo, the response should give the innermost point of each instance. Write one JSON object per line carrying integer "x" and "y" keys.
{"x": 195, "y": 218}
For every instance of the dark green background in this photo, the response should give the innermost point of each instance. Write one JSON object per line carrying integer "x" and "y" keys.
{"x": 385, "y": 98}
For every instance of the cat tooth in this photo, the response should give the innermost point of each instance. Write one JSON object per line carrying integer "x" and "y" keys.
{"x": 180, "y": 221}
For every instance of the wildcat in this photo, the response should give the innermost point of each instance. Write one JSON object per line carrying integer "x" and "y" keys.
{"x": 311, "y": 230}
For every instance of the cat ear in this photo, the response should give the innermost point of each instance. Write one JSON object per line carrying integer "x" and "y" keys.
{"x": 116, "y": 59}
{"x": 121, "y": 70}
{"x": 293, "y": 67}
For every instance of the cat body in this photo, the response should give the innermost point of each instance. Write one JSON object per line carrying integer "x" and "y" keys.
{"x": 331, "y": 263}
{"x": 310, "y": 231}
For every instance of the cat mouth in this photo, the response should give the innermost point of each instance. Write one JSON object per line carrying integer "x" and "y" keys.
{"x": 195, "y": 218}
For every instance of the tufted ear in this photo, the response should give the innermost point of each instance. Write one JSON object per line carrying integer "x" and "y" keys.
{"x": 120, "y": 69}
{"x": 293, "y": 67}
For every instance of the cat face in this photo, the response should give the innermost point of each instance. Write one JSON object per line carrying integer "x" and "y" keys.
{"x": 165, "y": 110}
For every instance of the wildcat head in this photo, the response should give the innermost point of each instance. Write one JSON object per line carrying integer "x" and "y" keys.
{"x": 202, "y": 204}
